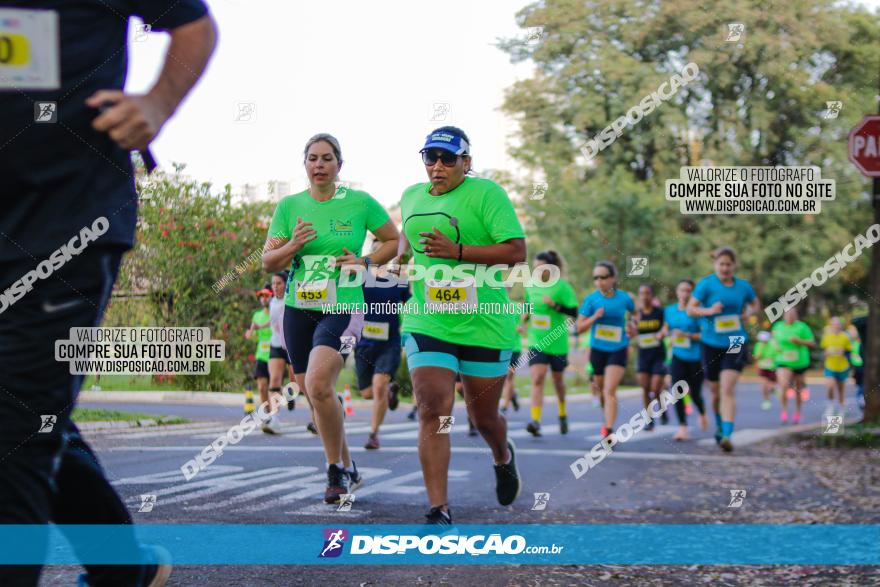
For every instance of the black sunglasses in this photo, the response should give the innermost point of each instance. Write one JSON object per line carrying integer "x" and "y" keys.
{"x": 447, "y": 158}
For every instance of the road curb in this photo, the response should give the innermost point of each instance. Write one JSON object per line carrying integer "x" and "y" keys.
{"x": 222, "y": 398}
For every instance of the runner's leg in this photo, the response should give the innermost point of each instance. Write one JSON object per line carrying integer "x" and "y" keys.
{"x": 433, "y": 388}
{"x": 612, "y": 379}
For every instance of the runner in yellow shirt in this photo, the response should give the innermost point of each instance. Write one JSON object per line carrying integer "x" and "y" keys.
{"x": 836, "y": 343}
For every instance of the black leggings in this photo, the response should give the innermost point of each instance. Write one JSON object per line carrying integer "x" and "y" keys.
{"x": 692, "y": 373}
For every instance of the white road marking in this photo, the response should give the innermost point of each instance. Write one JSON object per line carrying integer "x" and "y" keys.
{"x": 746, "y": 437}
{"x": 658, "y": 432}
{"x": 540, "y": 452}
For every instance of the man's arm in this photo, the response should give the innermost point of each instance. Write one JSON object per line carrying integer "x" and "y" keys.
{"x": 133, "y": 121}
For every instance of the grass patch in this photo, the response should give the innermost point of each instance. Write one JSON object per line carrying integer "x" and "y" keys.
{"x": 102, "y": 415}
{"x": 132, "y": 383}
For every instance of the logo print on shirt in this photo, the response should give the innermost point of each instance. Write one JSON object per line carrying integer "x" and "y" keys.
{"x": 341, "y": 227}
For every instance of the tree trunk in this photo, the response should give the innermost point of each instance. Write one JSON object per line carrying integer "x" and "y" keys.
{"x": 871, "y": 344}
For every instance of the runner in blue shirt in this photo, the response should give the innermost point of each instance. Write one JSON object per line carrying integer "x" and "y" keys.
{"x": 603, "y": 312}
{"x": 684, "y": 333}
{"x": 723, "y": 302}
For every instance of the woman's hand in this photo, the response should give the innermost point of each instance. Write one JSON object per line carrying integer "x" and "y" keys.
{"x": 302, "y": 234}
{"x": 349, "y": 258}
{"x": 438, "y": 245}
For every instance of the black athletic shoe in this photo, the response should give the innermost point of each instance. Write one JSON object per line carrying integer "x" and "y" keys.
{"x": 337, "y": 484}
{"x": 312, "y": 428}
{"x": 650, "y": 425}
{"x": 563, "y": 425}
{"x": 438, "y": 517}
{"x": 664, "y": 418}
{"x": 355, "y": 480}
{"x": 393, "y": 400}
{"x": 507, "y": 481}
{"x": 472, "y": 430}
{"x": 534, "y": 428}
{"x": 514, "y": 402}
{"x": 412, "y": 414}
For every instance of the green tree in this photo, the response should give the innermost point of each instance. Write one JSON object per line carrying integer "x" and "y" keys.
{"x": 759, "y": 101}
{"x": 187, "y": 240}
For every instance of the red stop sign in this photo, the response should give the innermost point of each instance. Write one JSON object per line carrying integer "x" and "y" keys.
{"x": 864, "y": 146}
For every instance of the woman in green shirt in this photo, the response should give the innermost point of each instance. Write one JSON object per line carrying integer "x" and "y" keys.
{"x": 457, "y": 322}
{"x": 315, "y": 233}
{"x": 795, "y": 340}
{"x": 554, "y": 304}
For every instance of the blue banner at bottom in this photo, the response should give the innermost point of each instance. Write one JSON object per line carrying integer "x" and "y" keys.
{"x": 301, "y": 544}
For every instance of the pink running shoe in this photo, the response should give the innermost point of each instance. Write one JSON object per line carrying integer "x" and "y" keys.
{"x": 796, "y": 418}
{"x": 783, "y": 418}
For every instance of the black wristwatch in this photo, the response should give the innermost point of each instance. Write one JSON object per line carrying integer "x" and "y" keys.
{"x": 367, "y": 261}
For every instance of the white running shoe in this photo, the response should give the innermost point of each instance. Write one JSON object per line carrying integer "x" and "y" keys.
{"x": 272, "y": 426}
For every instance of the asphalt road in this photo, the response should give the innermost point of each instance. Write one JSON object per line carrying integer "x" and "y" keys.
{"x": 280, "y": 479}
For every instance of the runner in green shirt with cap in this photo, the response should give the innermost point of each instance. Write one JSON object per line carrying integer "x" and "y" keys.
{"x": 260, "y": 325}
{"x": 458, "y": 320}
{"x": 766, "y": 353}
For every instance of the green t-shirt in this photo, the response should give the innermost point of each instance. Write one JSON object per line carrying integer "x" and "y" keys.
{"x": 341, "y": 221}
{"x": 479, "y": 213}
{"x": 855, "y": 357}
{"x": 545, "y": 319}
{"x": 264, "y": 335}
{"x": 793, "y": 356}
{"x": 767, "y": 354}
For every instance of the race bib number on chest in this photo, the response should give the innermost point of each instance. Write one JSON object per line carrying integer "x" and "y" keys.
{"x": 315, "y": 294}
{"x": 376, "y": 330}
{"x": 541, "y": 321}
{"x": 790, "y": 356}
{"x": 450, "y": 296}
{"x": 649, "y": 340}
{"x": 29, "y": 49}
{"x": 264, "y": 346}
{"x": 681, "y": 342}
{"x": 608, "y": 333}
{"x": 728, "y": 323}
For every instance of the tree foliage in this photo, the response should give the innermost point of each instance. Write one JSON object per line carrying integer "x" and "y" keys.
{"x": 756, "y": 102}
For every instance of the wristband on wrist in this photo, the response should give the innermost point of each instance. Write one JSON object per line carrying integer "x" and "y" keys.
{"x": 460, "y": 251}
